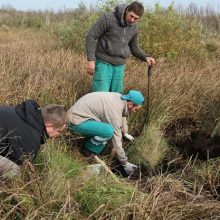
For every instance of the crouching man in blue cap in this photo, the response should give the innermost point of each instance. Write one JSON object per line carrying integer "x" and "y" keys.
{"x": 101, "y": 116}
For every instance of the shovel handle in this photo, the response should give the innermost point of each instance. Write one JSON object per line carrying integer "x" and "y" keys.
{"x": 149, "y": 71}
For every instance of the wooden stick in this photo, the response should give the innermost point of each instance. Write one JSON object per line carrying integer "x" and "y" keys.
{"x": 107, "y": 169}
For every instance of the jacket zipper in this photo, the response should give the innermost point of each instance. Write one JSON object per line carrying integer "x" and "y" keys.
{"x": 123, "y": 41}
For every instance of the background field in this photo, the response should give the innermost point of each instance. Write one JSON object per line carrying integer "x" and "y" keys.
{"x": 42, "y": 57}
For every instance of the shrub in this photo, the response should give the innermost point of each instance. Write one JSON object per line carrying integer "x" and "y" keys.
{"x": 73, "y": 34}
{"x": 167, "y": 33}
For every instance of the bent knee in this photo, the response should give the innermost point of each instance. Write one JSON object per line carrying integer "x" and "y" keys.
{"x": 109, "y": 131}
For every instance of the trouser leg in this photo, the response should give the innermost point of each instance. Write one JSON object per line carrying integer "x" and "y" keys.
{"x": 98, "y": 134}
{"x": 102, "y": 77}
{"x": 117, "y": 84}
{"x": 8, "y": 168}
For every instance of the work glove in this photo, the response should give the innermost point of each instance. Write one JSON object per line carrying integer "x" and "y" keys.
{"x": 129, "y": 168}
{"x": 128, "y": 137}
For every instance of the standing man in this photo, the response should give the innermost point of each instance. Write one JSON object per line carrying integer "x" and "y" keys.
{"x": 101, "y": 116}
{"x": 23, "y": 129}
{"x": 109, "y": 42}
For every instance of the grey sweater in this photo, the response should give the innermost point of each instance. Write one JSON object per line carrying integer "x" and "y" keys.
{"x": 112, "y": 40}
{"x": 104, "y": 107}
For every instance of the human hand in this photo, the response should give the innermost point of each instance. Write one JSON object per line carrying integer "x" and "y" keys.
{"x": 128, "y": 137}
{"x": 91, "y": 67}
{"x": 129, "y": 168}
{"x": 150, "y": 60}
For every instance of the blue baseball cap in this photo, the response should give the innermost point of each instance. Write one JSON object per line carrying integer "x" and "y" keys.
{"x": 134, "y": 96}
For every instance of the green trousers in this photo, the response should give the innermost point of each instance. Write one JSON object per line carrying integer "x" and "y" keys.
{"x": 108, "y": 77}
{"x": 97, "y": 133}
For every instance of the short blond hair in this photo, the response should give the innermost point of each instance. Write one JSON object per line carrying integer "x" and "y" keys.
{"x": 54, "y": 114}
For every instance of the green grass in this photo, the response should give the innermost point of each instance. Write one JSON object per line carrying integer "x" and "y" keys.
{"x": 33, "y": 65}
{"x": 103, "y": 192}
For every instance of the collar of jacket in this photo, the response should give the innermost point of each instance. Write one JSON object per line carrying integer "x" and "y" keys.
{"x": 30, "y": 112}
{"x": 125, "y": 109}
{"x": 120, "y": 11}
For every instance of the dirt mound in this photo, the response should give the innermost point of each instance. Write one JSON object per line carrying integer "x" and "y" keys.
{"x": 186, "y": 135}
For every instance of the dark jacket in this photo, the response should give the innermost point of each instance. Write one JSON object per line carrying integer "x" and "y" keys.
{"x": 112, "y": 40}
{"x": 22, "y": 131}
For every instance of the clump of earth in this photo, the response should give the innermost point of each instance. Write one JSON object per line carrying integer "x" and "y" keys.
{"x": 186, "y": 135}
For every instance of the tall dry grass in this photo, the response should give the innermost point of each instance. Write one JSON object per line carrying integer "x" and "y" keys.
{"x": 179, "y": 88}
{"x": 32, "y": 66}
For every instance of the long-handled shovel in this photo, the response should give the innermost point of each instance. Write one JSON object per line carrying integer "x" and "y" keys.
{"x": 149, "y": 73}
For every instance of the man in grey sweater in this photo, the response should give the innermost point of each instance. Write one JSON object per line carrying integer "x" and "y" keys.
{"x": 101, "y": 116}
{"x": 109, "y": 42}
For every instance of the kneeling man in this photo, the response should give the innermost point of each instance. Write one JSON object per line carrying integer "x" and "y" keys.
{"x": 23, "y": 129}
{"x": 101, "y": 116}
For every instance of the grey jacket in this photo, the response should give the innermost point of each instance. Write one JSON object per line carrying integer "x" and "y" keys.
{"x": 112, "y": 40}
{"x": 105, "y": 107}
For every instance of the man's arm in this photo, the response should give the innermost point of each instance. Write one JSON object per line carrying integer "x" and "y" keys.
{"x": 117, "y": 138}
{"x": 117, "y": 144}
{"x": 138, "y": 52}
{"x": 124, "y": 125}
{"x": 125, "y": 130}
{"x": 91, "y": 40}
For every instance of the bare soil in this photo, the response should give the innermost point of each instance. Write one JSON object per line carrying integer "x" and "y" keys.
{"x": 186, "y": 135}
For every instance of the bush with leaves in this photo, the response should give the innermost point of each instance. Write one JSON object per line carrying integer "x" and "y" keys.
{"x": 73, "y": 34}
{"x": 164, "y": 32}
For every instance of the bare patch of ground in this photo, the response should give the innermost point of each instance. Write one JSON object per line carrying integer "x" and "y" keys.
{"x": 186, "y": 135}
